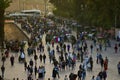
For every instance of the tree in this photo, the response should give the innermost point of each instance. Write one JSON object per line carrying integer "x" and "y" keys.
{"x": 90, "y": 12}
{"x": 64, "y": 8}
{"x": 3, "y": 5}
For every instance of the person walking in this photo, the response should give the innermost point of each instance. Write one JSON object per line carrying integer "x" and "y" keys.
{"x": 104, "y": 75}
{"x": 106, "y": 63}
{"x": 91, "y": 47}
{"x": 29, "y": 77}
{"x": 102, "y": 63}
{"x": 35, "y": 58}
{"x": 93, "y": 78}
{"x": 98, "y": 77}
{"x": 79, "y": 74}
{"x": 7, "y": 53}
{"x": 119, "y": 46}
{"x": 25, "y": 65}
{"x": 100, "y": 74}
{"x": 31, "y": 63}
{"x": 68, "y": 47}
{"x": 78, "y": 56}
{"x": 72, "y": 76}
{"x": 64, "y": 47}
{"x": 54, "y": 73}
{"x": 118, "y": 66}
{"x": 28, "y": 69}
{"x": 2, "y": 70}
{"x": 44, "y": 58}
{"x": 12, "y": 60}
{"x": 52, "y": 43}
{"x": 57, "y": 71}
{"x": 91, "y": 63}
{"x": 41, "y": 72}
{"x": 81, "y": 56}
{"x": 66, "y": 78}
{"x": 40, "y": 57}
{"x": 83, "y": 74}
{"x": 31, "y": 70}
{"x": 97, "y": 58}
{"x": 100, "y": 47}
{"x": 35, "y": 70}
{"x": 3, "y": 58}
{"x": 116, "y": 48}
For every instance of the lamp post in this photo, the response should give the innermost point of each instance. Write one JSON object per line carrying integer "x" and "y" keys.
{"x": 82, "y": 16}
{"x": 115, "y": 25}
{"x": 45, "y": 7}
{"x": 19, "y": 5}
{"x": 23, "y": 4}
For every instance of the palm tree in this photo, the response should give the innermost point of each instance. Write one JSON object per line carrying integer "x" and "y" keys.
{"x": 3, "y": 5}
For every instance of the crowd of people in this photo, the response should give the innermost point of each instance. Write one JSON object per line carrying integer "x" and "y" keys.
{"x": 70, "y": 51}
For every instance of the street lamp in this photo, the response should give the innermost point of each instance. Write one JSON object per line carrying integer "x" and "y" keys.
{"x": 19, "y": 5}
{"x": 82, "y": 12}
{"x": 23, "y": 4}
{"x": 115, "y": 23}
{"x": 45, "y": 7}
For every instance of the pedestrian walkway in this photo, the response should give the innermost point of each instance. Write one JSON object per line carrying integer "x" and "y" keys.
{"x": 18, "y": 69}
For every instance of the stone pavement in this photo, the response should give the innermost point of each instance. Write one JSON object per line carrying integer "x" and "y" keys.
{"x": 18, "y": 69}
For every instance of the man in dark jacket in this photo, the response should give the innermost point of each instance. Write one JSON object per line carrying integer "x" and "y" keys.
{"x": 35, "y": 70}
{"x": 2, "y": 70}
{"x": 35, "y": 58}
{"x": 72, "y": 76}
{"x": 12, "y": 60}
{"x": 40, "y": 57}
{"x": 31, "y": 63}
{"x": 100, "y": 74}
{"x": 29, "y": 77}
{"x": 3, "y": 59}
{"x": 44, "y": 58}
{"x": 79, "y": 74}
{"x": 118, "y": 66}
{"x": 54, "y": 73}
{"x": 104, "y": 75}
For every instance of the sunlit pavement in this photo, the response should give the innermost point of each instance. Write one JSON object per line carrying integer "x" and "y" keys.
{"x": 17, "y": 71}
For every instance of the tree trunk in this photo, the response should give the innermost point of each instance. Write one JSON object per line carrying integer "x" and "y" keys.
{"x": 1, "y": 27}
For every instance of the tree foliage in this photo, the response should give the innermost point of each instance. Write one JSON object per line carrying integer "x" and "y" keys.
{"x": 63, "y": 7}
{"x": 90, "y": 12}
{"x": 3, "y": 5}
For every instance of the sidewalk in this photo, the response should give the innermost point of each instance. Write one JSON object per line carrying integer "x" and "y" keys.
{"x": 18, "y": 69}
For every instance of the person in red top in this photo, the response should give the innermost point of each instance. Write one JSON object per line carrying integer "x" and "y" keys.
{"x": 106, "y": 64}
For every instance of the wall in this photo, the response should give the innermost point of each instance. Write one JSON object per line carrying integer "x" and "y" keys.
{"x": 18, "y": 5}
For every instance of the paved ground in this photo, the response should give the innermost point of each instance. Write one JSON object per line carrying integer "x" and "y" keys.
{"x": 18, "y": 69}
